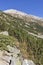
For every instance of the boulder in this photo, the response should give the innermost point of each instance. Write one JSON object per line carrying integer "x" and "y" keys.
{"x": 28, "y": 62}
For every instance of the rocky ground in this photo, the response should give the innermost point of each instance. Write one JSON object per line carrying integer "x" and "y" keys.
{"x": 15, "y": 56}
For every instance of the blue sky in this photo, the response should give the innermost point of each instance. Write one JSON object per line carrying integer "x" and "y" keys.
{"x": 34, "y": 7}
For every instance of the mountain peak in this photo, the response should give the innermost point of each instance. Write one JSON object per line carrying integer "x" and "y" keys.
{"x": 20, "y": 14}
{"x": 13, "y": 11}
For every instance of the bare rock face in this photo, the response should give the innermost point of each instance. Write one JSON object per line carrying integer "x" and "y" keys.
{"x": 13, "y": 57}
{"x": 2, "y": 59}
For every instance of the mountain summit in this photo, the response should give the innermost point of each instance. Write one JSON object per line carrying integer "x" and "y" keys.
{"x": 20, "y": 14}
{"x": 13, "y": 11}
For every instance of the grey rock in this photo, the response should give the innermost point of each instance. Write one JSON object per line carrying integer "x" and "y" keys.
{"x": 28, "y": 62}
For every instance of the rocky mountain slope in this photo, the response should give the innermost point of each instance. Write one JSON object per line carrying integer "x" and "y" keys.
{"x": 23, "y": 31}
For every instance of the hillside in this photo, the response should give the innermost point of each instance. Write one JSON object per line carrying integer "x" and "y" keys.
{"x": 26, "y": 32}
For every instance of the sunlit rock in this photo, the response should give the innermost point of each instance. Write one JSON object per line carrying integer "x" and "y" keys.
{"x": 28, "y": 62}
{"x": 4, "y": 33}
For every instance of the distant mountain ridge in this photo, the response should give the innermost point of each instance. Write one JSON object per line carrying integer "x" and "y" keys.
{"x": 19, "y": 13}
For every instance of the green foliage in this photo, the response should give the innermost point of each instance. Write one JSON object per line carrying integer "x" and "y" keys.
{"x": 6, "y": 40}
{"x": 36, "y": 45}
{"x": 19, "y": 29}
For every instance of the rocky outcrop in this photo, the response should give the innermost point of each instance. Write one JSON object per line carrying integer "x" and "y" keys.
{"x": 12, "y": 55}
{"x": 4, "y": 33}
{"x": 15, "y": 56}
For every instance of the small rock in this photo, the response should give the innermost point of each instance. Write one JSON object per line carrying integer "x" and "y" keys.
{"x": 4, "y": 33}
{"x": 28, "y": 62}
{"x": 13, "y": 49}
